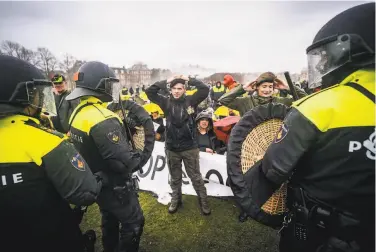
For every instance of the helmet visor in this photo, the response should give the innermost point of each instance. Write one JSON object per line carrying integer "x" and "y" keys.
{"x": 40, "y": 95}
{"x": 327, "y": 57}
{"x": 110, "y": 86}
{"x": 115, "y": 89}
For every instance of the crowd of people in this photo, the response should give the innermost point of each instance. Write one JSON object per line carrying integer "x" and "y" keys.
{"x": 60, "y": 147}
{"x": 229, "y": 96}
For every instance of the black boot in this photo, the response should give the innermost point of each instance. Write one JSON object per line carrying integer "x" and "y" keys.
{"x": 89, "y": 240}
{"x": 243, "y": 217}
{"x": 130, "y": 240}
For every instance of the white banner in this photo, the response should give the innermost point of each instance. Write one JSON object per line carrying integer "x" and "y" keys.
{"x": 155, "y": 176}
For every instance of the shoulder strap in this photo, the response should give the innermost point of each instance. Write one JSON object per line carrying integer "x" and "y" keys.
{"x": 362, "y": 90}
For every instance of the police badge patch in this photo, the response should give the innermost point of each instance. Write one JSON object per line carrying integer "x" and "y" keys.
{"x": 114, "y": 136}
{"x": 78, "y": 162}
{"x": 281, "y": 133}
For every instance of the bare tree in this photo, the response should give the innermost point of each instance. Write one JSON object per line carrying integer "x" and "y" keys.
{"x": 35, "y": 60}
{"x": 48, "y": 61}
{"x": 17, "y": 50}
{"x": 25, "y": 54}
{"x": 10, "y": 48}
{"x": 67, "y": 63}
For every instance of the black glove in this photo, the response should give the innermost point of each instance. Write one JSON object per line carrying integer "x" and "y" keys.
{"x": 131, "y": 125}
{"x": 137, "y": 154}
{"x": 100, "y": 176}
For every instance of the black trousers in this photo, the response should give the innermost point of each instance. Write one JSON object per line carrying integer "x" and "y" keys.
{"x": 321, "y": 240}
{"x": 122, "y": 221}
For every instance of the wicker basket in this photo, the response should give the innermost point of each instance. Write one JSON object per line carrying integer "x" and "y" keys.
{"x": 253, "y": 149}
{"x": 139, "y": 136}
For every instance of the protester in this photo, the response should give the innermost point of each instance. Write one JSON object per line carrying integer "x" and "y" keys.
{"x": 229, "y": 82}
{"x": 264, "y": 87}
{"x": 206, "y": 138}
{"x": 160, "y": 132}
{"x": 181, "y": 139}
{"x": 216, "y": 92}
{"x": 64, "y": 108}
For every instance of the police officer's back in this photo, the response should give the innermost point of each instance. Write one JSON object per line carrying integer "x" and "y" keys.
{"x": 326, "y": 146}
{"x": 40, "y": 171}
{"x": 99, "y": 135}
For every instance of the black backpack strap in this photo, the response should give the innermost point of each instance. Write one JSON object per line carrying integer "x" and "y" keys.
{"x": 362, "y": 90}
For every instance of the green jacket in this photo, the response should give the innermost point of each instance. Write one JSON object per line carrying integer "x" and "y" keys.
{"x": 233, "y": 100}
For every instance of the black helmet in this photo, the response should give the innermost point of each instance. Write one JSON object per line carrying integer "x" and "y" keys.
{"x": 95, "y": 79}
{"x": 23, "y": 84}
{"x": 343, "y": 45}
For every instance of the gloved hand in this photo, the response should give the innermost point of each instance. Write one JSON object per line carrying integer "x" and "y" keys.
{"x": 138, "y": 154}
{"x": 131, "y": 123}
{"x": 100, "y": 176}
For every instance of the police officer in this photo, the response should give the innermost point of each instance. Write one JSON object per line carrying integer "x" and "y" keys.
{"x": 41, "y": 173}
{"x": 326, "y": 145}
{"x": 99, "y": 135}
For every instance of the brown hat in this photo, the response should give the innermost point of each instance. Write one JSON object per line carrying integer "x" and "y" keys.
{"x": 266, "y": 77}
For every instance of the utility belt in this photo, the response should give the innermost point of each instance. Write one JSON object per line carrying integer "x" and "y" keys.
{"x": 309, "y": 217}
{"x": 131, "y": 185}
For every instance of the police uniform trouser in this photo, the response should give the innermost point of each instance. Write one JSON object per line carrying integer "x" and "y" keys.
{"x": 128, "y": 214}
{"x": 191, "y": 159}
{"x": 350, "y": 238}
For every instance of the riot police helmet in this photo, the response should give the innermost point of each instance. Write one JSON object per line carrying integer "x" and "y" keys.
{"x": 343, "y": 45}
{"x": 23, "y": 85}
{"x": 95, "y": 79}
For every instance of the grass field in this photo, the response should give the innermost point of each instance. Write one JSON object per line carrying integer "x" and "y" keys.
{"x": 188, "y": 231}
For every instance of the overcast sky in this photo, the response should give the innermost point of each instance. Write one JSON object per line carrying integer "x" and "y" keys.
{"x": 226, "y": 36}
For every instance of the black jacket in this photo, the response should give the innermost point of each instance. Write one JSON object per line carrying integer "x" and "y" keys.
{"x": 180, "y": 114}
{"x": 216, "y": 145}
{"x": 41, "y": 174}
{"x": 161, "y": 129}
{"x": 325, "y": 147}
{"x": 64, "y": 110}
{"x": 100, "y": 137}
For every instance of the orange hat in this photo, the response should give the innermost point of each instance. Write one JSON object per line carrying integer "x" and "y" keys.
{"x": 228, "y": 80}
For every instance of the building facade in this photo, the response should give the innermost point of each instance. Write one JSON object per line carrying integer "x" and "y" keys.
{"x": 136, "y": 76}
